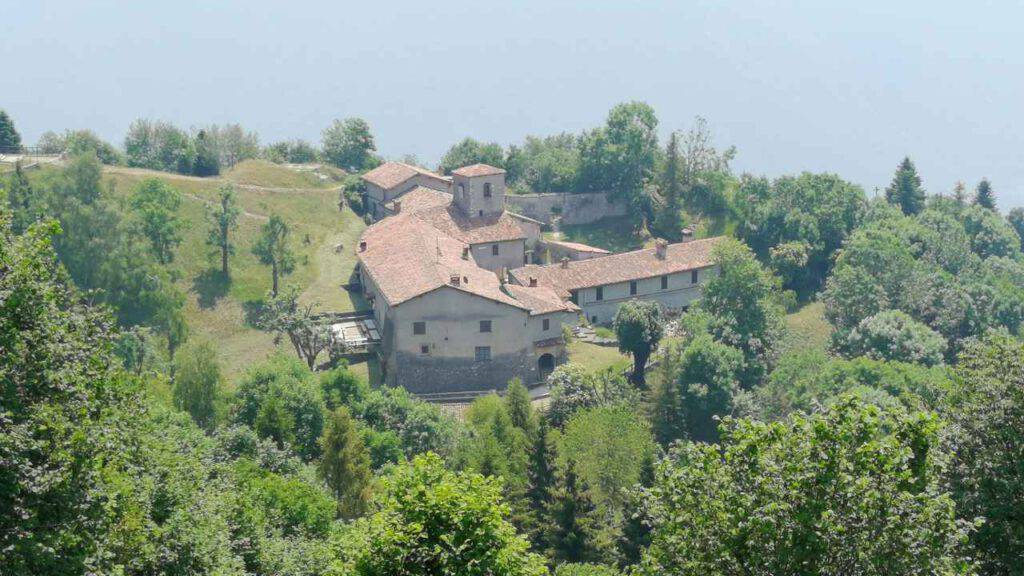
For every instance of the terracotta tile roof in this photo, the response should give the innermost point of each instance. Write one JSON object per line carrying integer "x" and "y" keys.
{"x": 406, "y": 257}
{"x": 391, "y": 174}
{"x": 622, "y": 267}
{"x": 420, "y": 198}
{"x": 578, "y": 247}
{"x": 451, "y": 221}
{"x": 540, "y": 299}
{"x": 477, "y": 170}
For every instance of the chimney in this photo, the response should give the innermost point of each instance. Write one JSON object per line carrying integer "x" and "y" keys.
{"x": 398, "y": 206}
{"x": 533, "y": 282}
{"x": 661, "y": 248}
{"x": 465, "y": 253}
{"x": 565, "y": 261}
{"x": 362, "y": 245}
{"x": 455, "y": 279}
{"x": 687, "y": 234}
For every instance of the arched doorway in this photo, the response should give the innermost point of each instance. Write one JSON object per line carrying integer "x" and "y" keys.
{"x": 545, "y": 365}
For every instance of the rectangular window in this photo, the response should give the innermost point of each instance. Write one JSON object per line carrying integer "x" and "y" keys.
{"x": 574, "y": 297}
{"x": 483, "y": 353}
{"x": 424, "y": 349}
{"x": 485, "y": 325}
{"x": 632, "y": 287}
{"x": 693, "y": 277}
{"x": 546, "y": 324}
{"x": 664, "y": 282}
{"x": 494, "y": 250}
{"x": 593, "y": 319}
{"x": 600, "y": 293}
{"x": 419, "y": 328}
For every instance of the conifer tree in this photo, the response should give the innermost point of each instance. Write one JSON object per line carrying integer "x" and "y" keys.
{"x": 960, "y": 193}
{"x": 20, "y": 200}
{"x": 905, "y": 190}
{"x": 517, "y": 404}
{"x": 636, "y": 532}
{"x": 984, "y": 196}
{"x": 1016, "y": 220}
{"x": 540, "y": 477}
{"x": 667, "y": 221}
{"x": 346, "y": 464}
{"x": 571, "y": 522}
{"x": 10, "y": 140}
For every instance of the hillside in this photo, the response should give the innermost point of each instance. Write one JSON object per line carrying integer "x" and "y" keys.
{"x": 306, "y": 202}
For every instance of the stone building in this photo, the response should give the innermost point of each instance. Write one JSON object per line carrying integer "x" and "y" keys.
{"x": 669, "y": 274}
{"x": 391, "y": 180}
{"x": 434, "y": 269}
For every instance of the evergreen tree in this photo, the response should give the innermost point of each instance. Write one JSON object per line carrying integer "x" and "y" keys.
{"x": 10, "y": 140}
{"x": 984, "y": 196}
{"x": 222, "y": 222}
{"x": 540, "y": 478}
{"x": 20, "y": 200}
{"x": 273, "y": 250}
{"x": 345, "y": 466}
{"x": 197, "y": 382}
{"x": 667, "y": 221}
{"x": 905, "y": 190}
{"x": 960, "y": 193}
{"x": 1016, "y": 220}
{"x": 571, "y": 521}
{"x": 520, "y": 411}
{"x": 636, "y": 533}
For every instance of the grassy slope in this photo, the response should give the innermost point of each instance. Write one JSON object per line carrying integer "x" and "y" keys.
{"x": 807, "y": 329}
{"x": 215, "y": 310}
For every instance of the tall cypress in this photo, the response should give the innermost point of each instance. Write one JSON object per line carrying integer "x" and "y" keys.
{"x": 571, "y": 521}
{"x": 346, "y": 464}
{"x": 540, "y": 481}
{"x": 905, "y": 190}
{"x": 10, "y": 140}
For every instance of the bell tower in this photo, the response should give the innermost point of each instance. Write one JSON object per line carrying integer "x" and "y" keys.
{"x": 479, "y": 190}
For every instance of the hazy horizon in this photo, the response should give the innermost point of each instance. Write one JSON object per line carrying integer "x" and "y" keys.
{"x": 794, "y": 86}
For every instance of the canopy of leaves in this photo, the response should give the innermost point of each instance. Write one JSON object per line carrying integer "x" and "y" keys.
{"x": 470, "y": 151}
{"x": 893, "y": 335}
{"x": 854, "y": 489}
{"x": 349, "y": 144}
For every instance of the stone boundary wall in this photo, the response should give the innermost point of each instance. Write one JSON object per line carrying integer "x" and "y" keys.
{"x": 579, "y": 208}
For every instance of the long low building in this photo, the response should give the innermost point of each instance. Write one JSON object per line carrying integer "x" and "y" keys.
{"x": 670, "y": 274}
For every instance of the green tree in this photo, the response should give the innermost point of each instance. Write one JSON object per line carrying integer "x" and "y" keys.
{"x": 540, "y": 482}
{"x": 282, "y": 314}
{"x": 197, "y": 383}
{"x": 639, "y": 328}
{"x": 742, "y": 300}
{"x": 905, "y": 190}
{"x": 986, "y": 415}
{"x": 10, "y": 140}
{"x": 687, "y": 403}
{"x": 470, "y": 151}
{"x": 984, "y": 196}
{"x": 853, "y": 490}
{"x": 207, "y": 160}
{"x": 572, "y": 520}
{"x": 169, "y": 320}
{"x": 431, "y": 521}
{"x": 156, "y": 206}
{"x": 960, "y": 193}
{"x": 349, "y": 144}
{"x": 520, "y": 411}
{"x": 345, "y": 465}
{"x": 668, "y": 223}
{"x": 223, "y": 221}
{"x": 272, "y": 248}
{"x": 273, "y": 421}
{"x": 1016, "y": 220}
{"x": 893, "y": 335}
{"x": 20, "y": 200}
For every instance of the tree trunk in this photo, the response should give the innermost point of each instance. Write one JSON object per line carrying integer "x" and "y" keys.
{"x": 639, "y": 365}
{"x": 224, "y": 258}
{"x": 273, "y": 271}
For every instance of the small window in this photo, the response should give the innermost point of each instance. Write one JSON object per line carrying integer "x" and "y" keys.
{"x": 546, "y": 324}
{"x": 600, "y": 293}
{"x": 593, "y": 319}
{"x": 494, "y": 250}
{"x": 424, "y": 349}
{"x": 632, "y": 287}
{"x": 574, "y": 297}
{"x": 664, "y": 282}
{"x": 485, "y": 325}
{"x": 693, "y": 277}
{"x": 419, "y": 328}
{"x": 462, "y": 189}
{"x": 481, "y": 213}
{"x": 487, "y": 189}
{"x": 483, "y": 353}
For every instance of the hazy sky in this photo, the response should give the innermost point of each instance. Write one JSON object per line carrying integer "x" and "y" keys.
{"x": 793, "y": 85}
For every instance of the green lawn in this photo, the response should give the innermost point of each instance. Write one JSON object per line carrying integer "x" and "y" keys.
{"x": 595, "y": 358}
{"x": 613, "y": 234}
{"x": 268, "y": 174}
{"x": 807, "y": 329}
{"x": 215, "y": 308}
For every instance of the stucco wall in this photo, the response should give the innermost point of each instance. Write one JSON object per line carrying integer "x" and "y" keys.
{"x": 510, "y": 255}
{"x": 575, "y": 208}
{"x": 452, "y": 334}
{"x": 680, "y": 293}
{"x": 471, "y": 198}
